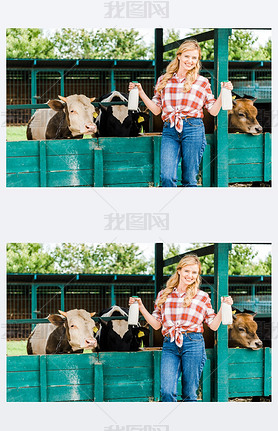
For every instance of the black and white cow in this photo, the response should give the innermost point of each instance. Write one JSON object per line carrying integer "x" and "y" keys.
{"x": 117, "y": 120}
{"x": 117, "y": 335}
{"x": 67, "y": 332}
{"x": 69, "y": 117}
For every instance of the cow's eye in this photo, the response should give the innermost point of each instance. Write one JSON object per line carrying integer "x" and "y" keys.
{"x": 72, "y": 111}
{"x": 240, "y": 114}
{"x": 72, "y": 326}
{"x": 241, "y": 329}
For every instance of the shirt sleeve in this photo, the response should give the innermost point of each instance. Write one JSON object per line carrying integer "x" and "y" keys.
{"x": 210, "y": 314}
{"x": 157, "y": 309}
{"x": 157, "y": 95}
{"x": 209, "y": 101}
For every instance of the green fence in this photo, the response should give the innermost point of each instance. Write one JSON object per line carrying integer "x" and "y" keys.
{"x": 126, "y": 162}
{"x": 126, "y": 376}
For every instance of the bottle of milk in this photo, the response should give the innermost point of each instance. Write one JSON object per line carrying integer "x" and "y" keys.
{"x": 133, "y": 98}
{"x": 227, "y": 315}
{"x": 227, "y": 101}
{"x": 133, "y": 314}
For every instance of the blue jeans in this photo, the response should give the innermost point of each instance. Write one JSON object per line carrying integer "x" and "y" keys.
{"x": 188, "y": 360}
{"x": 188, "y": 145}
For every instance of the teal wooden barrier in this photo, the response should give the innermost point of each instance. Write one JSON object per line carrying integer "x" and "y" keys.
{"x": 125, "y": 376}
{"x": 127, "y": 162}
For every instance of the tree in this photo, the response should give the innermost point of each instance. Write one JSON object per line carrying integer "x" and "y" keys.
{"x": 110, "y": 258}
{"x": 29, "y": 258}
{"x": 28, "y": 43}
{"x": 99, "y": 44}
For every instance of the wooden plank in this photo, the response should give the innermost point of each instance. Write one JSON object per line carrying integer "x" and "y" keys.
{"x": 23, "y": 363}
{"x": 70, "y": 163}
{"x": 98, "y": 167}
{"x": 126, "y": 359}
{"x": 125, "y": 177}
{"x": 17, "y": 165}
{"x": 129, "y": 390}
{"x": 267, "y": 157}
{"x": 247, "y": 370}
{"x": 66, "y": 147}
{"x": 118, "y": 373}
{"x": 245, "y": 141}
{"x": 22, "y": 149}
{"x": 242, "y": 172}
{"x": 23, "y": 180}
{"x": 20, "y": 379}
{"x": 245, "y": 387}
{"x": 23, "y": 395}
{"x": 72, "y": 362}
{"x": 131, "y": 160}
{"x": 43, "y": 178}
{"x": 70, "y": 393}
{"x": 244, "y": 156}
{"x": 71, "y": 179}
{"x": 43, "y": 378}
{"x": 267, "y": 372}
{"x": 239, "y": 356}
{"x": 126, "y": 145}
{"x": 156, "y": 375}
{"x": 98, "y": 382}
{"x": 156, "y": 160}
{"x": 78, "y": 376}
{"x": 206, "y": 167}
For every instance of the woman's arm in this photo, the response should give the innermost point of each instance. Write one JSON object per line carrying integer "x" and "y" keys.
{"x": 214, "y": 110}
{"x": 148, "y": 102}
{"x": 149, "y": 318}
{"x": 214, "y": 325}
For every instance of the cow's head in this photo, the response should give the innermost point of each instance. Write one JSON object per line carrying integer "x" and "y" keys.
{"x": 242, "y": 118}
{"x": 242, "y": 333}
{"x": 80, "y": 328}
{"x": 80, "y": 113}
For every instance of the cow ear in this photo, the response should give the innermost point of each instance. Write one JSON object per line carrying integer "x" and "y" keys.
{"x": 234, "y": 316}
{"x": 92, "y": 99}
{"x": 234, "y": 102}
{"x": 56, "y": 105}
{"x": 92, "y": 314}
{"x": 56, "y": 319}
{"x": 255, "y": 314}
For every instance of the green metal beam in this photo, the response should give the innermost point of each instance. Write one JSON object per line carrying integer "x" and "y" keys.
{"x": 204, "y": 251}
{"x": 158, "y": 262}
{"x": 158, "y": 52}
{"x": 201, "y": 37}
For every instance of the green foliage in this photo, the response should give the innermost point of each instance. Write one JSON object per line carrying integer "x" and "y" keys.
{"x": 99, "y": 44}
{"x": 29, "y": 258}
{"x": 28, "y": 43}
{"x": 110, "y": 258}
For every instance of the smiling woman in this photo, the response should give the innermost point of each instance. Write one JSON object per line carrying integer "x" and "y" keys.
{"x": 180, "y": 95}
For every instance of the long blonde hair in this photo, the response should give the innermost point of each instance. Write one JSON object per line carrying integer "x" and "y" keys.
{"x": 189, "y": 259}
{"x": 173, "y": 67}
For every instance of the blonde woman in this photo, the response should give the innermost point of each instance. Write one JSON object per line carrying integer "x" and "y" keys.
{"x": 180, "y": 95}
{"x": 180, "y": 310}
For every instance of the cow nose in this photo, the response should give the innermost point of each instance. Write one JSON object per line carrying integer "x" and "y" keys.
{"x": 91, "y": 341}
{"x": 258, "y": 128}
{"x": 259, "y": 343}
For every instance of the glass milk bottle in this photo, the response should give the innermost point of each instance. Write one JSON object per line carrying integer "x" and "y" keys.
{"x": 133, "y": 314}
{"x": 133, "y": 99}
{"x": 227, "y": 315}
{"x": 227, "y": 101}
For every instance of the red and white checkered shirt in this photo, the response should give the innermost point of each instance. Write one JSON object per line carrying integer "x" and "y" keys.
{"x": 176, "y": 319}
{"x": 176, "y": 104}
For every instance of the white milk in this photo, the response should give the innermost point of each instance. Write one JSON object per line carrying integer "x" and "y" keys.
{"x": 227, "y": 101}
{"x": 133, "y": 99}
{"x": 227, "y": 315}
{"x": 133, "y": 314}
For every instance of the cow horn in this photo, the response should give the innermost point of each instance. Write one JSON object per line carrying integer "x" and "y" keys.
{"x": 64, "y": 99}
{"x": 255, "y": 314}
{"x": 92, "y": 99}
{"x": 64, "y": 313}
{"x": 92, "y": 314}
{"x": 234, "y": 316}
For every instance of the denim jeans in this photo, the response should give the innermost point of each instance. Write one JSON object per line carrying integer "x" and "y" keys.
{"x": 188, "y": 360}
{"x": 188, "y": 145}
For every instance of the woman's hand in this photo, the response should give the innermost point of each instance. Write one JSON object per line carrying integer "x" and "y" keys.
{"x": 227, "y": 85}
{"x": 133, "y": 85}
{"x": 227, "y": 299}
{"x": 132, "y": 300}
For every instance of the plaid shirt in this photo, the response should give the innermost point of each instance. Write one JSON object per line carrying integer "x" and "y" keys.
{"x": 176, "y": 104}
{"x": 176, "y": 319}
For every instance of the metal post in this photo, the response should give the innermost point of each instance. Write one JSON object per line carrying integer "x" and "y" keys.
{"x": 158, "y": 52}
{"x": 33, "y": 88}
{"x": 34, "y": 302}
{"x": 158, "y": 259}
{"x": 62, "y": 288}
{"x": 221, "y": 255}
{"x": 221, "y": 168}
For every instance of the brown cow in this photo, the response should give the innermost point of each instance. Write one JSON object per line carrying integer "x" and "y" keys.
{"x": 69, "y": 117}
{"x": 67, "y": 332}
